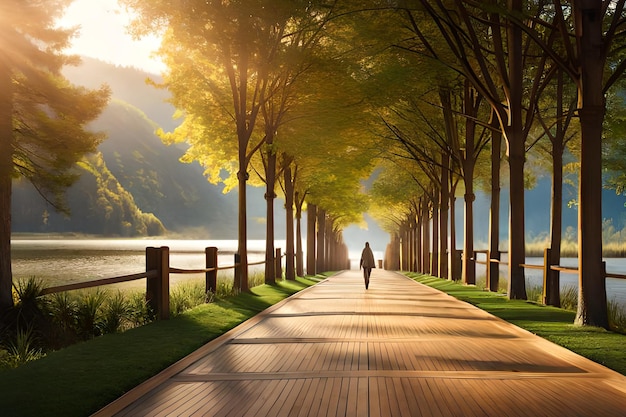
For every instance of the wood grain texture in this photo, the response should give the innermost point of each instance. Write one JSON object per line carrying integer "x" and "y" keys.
{"x": 397, "y": 349}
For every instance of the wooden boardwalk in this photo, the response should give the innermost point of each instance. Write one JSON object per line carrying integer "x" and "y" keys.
{"x": 397, "y": 349}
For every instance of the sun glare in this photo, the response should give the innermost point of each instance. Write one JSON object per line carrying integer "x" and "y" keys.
{"x": 103, "y": 34}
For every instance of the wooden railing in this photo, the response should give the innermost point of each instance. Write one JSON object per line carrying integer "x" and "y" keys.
{"x": 546, "y": 267}
{"x": 566, "y": 269}
{"x": 157, "y": 275}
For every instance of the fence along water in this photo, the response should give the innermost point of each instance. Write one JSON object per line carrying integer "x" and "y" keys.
{"x": 157, "y": 275}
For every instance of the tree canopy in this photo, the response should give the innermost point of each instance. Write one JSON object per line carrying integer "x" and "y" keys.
{"x": 421, "y": 87}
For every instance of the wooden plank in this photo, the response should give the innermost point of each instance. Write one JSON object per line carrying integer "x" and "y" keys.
{"x": 398, "y": 391}
{"x": 309, "y": 397}
{"x": 333, "y": 399}
{"x": 324, "y": 399}
{"x": 362, "y": 404}
{"x": 342, "y": 401}
{"x": 270, "y": 395}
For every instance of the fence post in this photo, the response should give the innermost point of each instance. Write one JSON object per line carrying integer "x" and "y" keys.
{"x": 158, "y": 288}
{"x": 547, "y": 287}
{"x": 277, "y": 265}
{"x": 211, "y": 276}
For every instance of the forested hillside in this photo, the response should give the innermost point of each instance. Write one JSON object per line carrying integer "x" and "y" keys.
{"x": 136, "y": 185}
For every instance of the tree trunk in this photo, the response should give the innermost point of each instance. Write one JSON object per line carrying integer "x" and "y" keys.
{"x": 290, "y": 272}
{"x": 425, "y": 236}
{"x": 6, "y": 169}
{"x": 469, "y": 266}
{"x": 320, "y": 261}
{"x": 469, "y": 162}
{"x": 434, "y": 259}
{"x": 517, "y": 155}
{"x": 299, "y": 250}
{"x": 414, "y": 248}
{"x": 552, "y": 290}
{"x": 270, "y": 195}
{"x": 329, "y": 237}
{"x": 453, "y": 265}
{"x": 493, "y": 273}
{"x": 517, "y": 250}
{"x": 444, "y": 211}
{"x": 404, "y": 247}
{"x": 241, "y": 277}
{"x": 592, "y": 301}
{"x": 311, "y": 222}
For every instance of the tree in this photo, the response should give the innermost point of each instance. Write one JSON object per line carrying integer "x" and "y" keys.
{"x": 295, "y": 58}
{"x": 42, "y": 116}
{"x": 585, "y": 39}
{"x": 220, "y": 56}
{"x": 555, "y": 115}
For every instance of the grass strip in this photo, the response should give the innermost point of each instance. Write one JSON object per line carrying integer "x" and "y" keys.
{"x": 81, "y": 379}
{"x": 554, "y": 324}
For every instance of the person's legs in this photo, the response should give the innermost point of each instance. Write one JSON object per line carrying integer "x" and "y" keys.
{"x": 367, "y": 272}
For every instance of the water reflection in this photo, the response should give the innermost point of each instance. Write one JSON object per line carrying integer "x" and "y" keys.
{"x": 65, "y": 261}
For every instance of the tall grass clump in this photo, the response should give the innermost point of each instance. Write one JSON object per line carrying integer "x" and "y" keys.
{"x": 534, "y": 292}
{"x": 256, "y": 278}
{"x": 116, "y": 313}
{"x": 27, "y": 306}
{"x": 481, "y": 282}
{"x": 90, "y": 319}
{"x": 617, "y": 316}
{"x": 187, "y": 295}
{"x": 63, "y": 312}
{"x": 140, "y": 311}
{"x": 569, "y": 298}
{"x": 22, "y": 349}
{"x": 24, "y": 325}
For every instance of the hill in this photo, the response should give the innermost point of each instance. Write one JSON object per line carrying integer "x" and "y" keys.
{"x": 135, "y": 181}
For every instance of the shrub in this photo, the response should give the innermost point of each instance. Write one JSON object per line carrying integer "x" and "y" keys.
{"x": 22, "y": 349}
{"x": 90, "y": 322}
{"x": 63, "y": 312}
{"x": 140, "y": 312}
{"x": 116, "y": 313}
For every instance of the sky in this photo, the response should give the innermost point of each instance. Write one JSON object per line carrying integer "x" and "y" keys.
{"x": 103, "y": 35}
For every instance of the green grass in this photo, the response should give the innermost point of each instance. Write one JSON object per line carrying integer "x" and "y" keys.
{"x": 554, "y": 324}
{"x": 82, "y": 378}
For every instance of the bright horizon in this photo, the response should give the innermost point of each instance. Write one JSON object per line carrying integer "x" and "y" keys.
{"x": 103, "y": 35}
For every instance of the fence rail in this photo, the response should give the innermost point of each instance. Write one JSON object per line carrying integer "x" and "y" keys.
{"x": 566, "y": 269}
{"x": 98, "y": 282}
{"x": 157, "y": 274}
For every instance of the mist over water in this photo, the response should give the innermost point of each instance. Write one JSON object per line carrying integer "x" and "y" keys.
{"x": 65, "y": 261}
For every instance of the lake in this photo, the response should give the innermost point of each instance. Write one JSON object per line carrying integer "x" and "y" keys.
{"x": 61, "y": 261}
{"x": 65, "y": 261}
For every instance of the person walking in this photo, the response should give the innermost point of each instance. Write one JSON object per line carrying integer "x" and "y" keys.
{"x": 367, "y": 263}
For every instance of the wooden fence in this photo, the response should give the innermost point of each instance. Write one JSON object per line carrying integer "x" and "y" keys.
{"x": 157, "y": 276}
{"x": 546, "y": 267}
